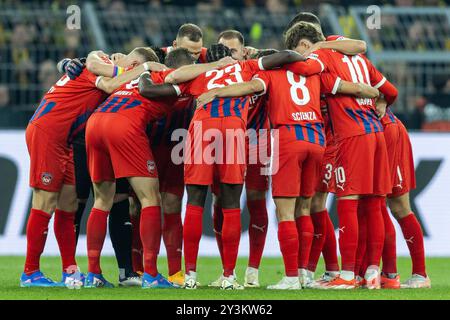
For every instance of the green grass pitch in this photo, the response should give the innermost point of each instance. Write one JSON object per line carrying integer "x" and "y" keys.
{"x": 208, "y": 270}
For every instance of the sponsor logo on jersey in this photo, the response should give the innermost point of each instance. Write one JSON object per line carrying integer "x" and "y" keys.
{"x": 46, "y": 178}
{"x": 151, "y": 166}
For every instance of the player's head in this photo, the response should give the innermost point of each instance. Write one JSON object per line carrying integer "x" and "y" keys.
{"x": 304, "y": 17}
{"x": 137, "y": 57}
{"x": 190, "y": 37}
{"x": 178, "y": 58}
{"x": 302, "y": 36}
{"x": 263, "y": 53}
{"x": 234, "y": 40}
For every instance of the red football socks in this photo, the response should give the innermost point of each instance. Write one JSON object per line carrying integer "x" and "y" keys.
{"x": 136, "y": 245}
{"x": 96, "y": 233}
{"x": 150, "y": 231}
{"x": 389, "y": 256}
{"x": 305, "y": 230}
{"x": 173, "y": 240}
{"x": 329, "y": 250}
{"x": 348, "y": 232}
{"x": 375, "y": 229}
{"x": 319, "y": 221}
{"x": 231, "y": 235}
{"x": 37, "y": 229}
{"x": 289, "y": 245}
{"x": 218, "y": 222}
{"x": 192, "y": 232}
{"x": 257, "y": 230}
{"x": 412, "y": 232}
{"x": 362, "y": 238}
{"x": 64, "y": 227}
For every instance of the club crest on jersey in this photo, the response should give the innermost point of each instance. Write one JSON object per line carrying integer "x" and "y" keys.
{"x": 151, "y": 166}
{"x": 46, "y": 178}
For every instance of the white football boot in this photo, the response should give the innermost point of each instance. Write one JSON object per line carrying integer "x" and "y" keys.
{"x": 416, "y": 282}
{"x": 230, "y": 283}
{"x": 286, "y": 283}
{"x": 251, "y": 279}
{"x": 190, "y": 280}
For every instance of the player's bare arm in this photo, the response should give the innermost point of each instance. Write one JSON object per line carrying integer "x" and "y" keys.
{"x": 190, "y": 72}
{"x": 281, "y": 58}
{"x": 110, "y": 84}
{"x": 234, "y": 90}
{"x": 150, "y": 90}
{"x": 345, "y": 46}
{"x": 96, "y": 65}
{"x": 381, "y": 106}
{"x": 360, "y": 90}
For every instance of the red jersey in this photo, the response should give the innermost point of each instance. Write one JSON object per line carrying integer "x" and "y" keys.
{"x": 258, "y": 113}
{"x": 66, "y": 107}
{"x": 201, "y": 59}
{"x": 127, "y": 101}
{"x": 223, "y": 107}
{"x": 350, "y": 116}
{"x": 294, "y": 101}
{"x": 389, "y": 118}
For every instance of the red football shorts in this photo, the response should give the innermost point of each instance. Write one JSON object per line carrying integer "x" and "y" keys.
{"x": 296, "y": 166}
{"x": 327, "y": 181}
{"x": 171, "y": 179}
{"x": 215, "y": 146}
{"x": 51, "y": 160}
{"x": 117, "y": 148}
{"x": 400, "y": 157}
{"x": 362, "y": 166}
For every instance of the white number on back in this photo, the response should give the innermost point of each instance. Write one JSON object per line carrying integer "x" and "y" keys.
{"x": 354, "y": 65}
{"x": 232, "y": 70}
{"x": 298, "y": 85}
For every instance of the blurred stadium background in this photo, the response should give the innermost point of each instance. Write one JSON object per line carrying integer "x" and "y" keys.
{"x": 412, "y": 48}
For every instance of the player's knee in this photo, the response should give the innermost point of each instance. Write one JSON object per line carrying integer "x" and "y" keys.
{"x": 104, "y": 203}
{"x": 318, "y": 202}
{"x": 197, "y": 195}
{"x": 255, "y": 194}
{"x": 399, "y": 207}
{"x": 171, "y": 203}
{"x": 303, "y": 207}
{"x": 44, "y": 201}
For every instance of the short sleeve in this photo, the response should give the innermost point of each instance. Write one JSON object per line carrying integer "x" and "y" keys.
{"x": 329, "y": 83}
{"x": 335, "y": 37}
{"x": 254, "y": 65}
{"x": 264, "y": 78}
{"x": 183, "y": 88}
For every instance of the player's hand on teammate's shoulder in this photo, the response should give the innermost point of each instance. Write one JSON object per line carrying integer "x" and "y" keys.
{"x": 75, "y": 67}
{"x": 226, "y": 61}
{"x": 314, "y": 47}
{"x": 155, "y": 66}
{"x": 206, "y": 98}
{"x": 381, "y": 106}
{"x": 250, "y": 52}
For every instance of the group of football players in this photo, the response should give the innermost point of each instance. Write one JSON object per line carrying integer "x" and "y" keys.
{"x": 319, "y": 109}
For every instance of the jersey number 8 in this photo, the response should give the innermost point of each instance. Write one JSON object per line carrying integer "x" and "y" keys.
{"x": 298, "y": 85}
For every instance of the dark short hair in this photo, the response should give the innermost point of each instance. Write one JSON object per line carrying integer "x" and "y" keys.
{"x": 191, "y": 31}
{"x": 263, "y": 53}
{"x": 302, "y": 30}
{"x": 231, "y": 34}
{"x": 178, "y": 57}
{"x": 146, "y": 53}
{"x": 303, "y": 17}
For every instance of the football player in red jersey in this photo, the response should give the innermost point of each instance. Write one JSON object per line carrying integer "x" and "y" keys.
{"x": 63, "y": 112}
{"x": 358, "y": 133}
{"x": 294, "y": 113}
{"x": 324, "y": 240}
{"x": 220, "y": 115}
{"x": 256, "y": 183}
{"x": 401, "y": 165}
{"x": 125, "y": 153}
